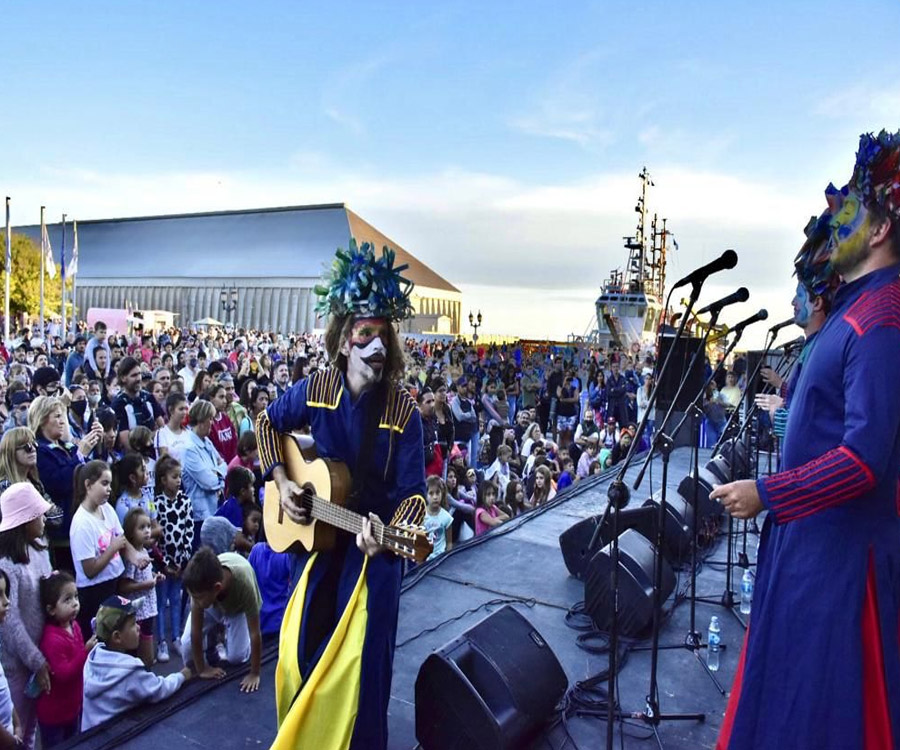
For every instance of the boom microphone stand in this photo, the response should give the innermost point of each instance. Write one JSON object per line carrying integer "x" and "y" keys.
{"x": 618, "y": 497}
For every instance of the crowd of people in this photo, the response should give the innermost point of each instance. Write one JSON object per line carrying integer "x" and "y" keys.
{"x": 130, "y": 468}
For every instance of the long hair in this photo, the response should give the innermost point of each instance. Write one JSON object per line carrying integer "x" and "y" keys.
{"x": 89, "y": 472}
{"x": 337, "y": 331}
{"x": 13, "y": 439}
{"x": 124, "y": 468}
{"x": 540, "y": 495}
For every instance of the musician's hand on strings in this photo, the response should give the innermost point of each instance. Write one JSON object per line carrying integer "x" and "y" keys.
{"x": 769, "y": 401}
{"x": 771, "y": 377}
{"x": 292, "y": 501}
{"x": 741, "y": 498}
{"x": 365, "y": 540}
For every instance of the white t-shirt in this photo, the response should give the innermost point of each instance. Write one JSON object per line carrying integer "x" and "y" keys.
{"x": 89, "y": 537}
{"x": 175, "y": 444}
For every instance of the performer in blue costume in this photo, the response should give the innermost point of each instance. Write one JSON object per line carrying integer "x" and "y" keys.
{"x": 821, "y": 664}
{"x": 337, "y": 638}
{"x": 816, "y": 285}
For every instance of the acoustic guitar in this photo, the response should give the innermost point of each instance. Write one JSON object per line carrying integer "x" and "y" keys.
{"x": 329, "y": 484}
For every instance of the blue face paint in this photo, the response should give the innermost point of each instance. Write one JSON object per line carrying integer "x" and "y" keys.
{"x": 803, "y": 306}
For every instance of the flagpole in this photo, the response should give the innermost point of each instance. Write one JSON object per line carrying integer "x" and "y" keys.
{"x": 75, "y": 278}
{"x": 62, "y": 263}
{"x": 43, "y": 260}
{"x": 8, "y": 273}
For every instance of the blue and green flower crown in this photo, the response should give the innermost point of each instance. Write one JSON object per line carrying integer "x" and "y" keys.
{"x": 362, "y": 285}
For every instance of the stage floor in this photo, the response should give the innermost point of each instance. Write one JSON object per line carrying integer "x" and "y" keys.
{"x": 519, "y": 563}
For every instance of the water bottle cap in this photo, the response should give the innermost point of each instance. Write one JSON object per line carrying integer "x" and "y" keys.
{"x": 714, "y": 620}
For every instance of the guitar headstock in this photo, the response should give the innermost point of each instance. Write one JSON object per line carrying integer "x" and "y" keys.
{"x": 408, "y": 541}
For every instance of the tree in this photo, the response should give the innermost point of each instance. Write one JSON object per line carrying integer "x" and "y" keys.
{"x": 25, "y": 282}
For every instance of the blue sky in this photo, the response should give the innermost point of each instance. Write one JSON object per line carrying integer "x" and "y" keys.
{"x": 500, "y": 142}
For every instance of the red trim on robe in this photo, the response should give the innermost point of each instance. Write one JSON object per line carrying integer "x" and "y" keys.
{"x": 876, "y": 715}
{"x": 733, "y": 698}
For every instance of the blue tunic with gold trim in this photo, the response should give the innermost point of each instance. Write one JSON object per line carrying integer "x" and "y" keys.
{"x": 821, "y": 664}
{"x": 336, "y": 695}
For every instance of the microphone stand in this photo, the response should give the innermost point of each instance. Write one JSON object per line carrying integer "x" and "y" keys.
{"x": 618, "y": 497}
{"x": 727, "y": 599}
{"x": 692, "y": 640}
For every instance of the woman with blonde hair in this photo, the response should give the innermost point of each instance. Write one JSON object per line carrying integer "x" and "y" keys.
{"x": 57, "y": 459}
{"x": 18, "y": 463}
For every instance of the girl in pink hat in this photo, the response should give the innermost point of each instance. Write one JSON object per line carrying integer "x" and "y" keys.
{"x": 24, "y": 559}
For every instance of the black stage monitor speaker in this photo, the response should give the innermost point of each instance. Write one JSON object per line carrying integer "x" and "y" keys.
{"x": 735, "y": 453}
{"x": 679, "y": 522}
{"x": 636, "y": 565}
{"x": 575, "y": 542}
{"x": 677, "y": 369}
{"x": 706, "y": 507}
{"x": 490, "y": 689}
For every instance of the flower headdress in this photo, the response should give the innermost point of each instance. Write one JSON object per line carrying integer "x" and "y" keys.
{"x": 361, "y": 284}
{"x": 876, "y": 176}
{"x": 812, "y": 266}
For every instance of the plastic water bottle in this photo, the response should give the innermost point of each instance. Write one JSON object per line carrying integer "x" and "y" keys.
{"x": 712, "y": 646}
{"x": 746, "y": 592}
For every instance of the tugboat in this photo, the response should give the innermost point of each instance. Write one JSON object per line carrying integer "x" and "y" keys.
{"x": 631, "y": 303}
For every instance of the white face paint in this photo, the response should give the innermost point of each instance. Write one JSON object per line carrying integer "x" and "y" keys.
{"x": 366, "y": 350}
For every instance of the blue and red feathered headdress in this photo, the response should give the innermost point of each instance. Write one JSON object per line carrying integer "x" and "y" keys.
{"x": 876, "y": 176}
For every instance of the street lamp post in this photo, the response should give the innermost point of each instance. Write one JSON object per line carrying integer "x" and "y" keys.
{"x": 228, "y": 298}
{"x": 475, "y": 322}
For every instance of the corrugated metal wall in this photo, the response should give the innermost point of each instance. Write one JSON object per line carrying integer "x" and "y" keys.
{"x": 282, "y": 309}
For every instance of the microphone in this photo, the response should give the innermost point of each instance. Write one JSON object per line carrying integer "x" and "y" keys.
{"x": 782, "y": 324}
{"x": 761, "y": 315}
{"x": 741, "y": 295}
{"x": 728, "y": 259}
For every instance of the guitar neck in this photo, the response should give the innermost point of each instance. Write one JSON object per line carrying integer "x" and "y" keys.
{"x": 344, "y": 518}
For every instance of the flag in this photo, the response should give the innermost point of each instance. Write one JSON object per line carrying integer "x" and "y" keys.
{"x": 49, "y": 264}
{"x": 73, "y": 264}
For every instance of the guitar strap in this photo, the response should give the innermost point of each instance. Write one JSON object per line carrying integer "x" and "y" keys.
{"x": 374, "y": 409}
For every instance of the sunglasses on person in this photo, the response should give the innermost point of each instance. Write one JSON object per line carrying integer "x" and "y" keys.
{"x": 28, "y": 447}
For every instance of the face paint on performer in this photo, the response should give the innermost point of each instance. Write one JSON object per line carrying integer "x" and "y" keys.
{"x": 366, "y": 348}
{"x": 803, "y": 304}
{"x": 850, "y": 232}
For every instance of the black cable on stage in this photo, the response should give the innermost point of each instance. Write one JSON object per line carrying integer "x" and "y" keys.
{"x": 491, "y": 603}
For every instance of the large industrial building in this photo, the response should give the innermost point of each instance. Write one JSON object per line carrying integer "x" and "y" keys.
{"x": 253, "y": 268}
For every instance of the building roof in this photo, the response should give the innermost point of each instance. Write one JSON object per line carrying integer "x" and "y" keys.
{"x": 291, "y": 241}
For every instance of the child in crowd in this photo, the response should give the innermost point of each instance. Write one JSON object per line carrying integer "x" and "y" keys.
{"x": 437, "y": 520}
{"x": 463, "y": 511}
{"x": 173, "y": 438}
{"x": 592, "y": 448}
{"x": 543, "y": 487}
{"x": 62, "y": 644}
{"x": 240, "y": 508}
{"x": 115, "y": 681}
{"x": 129, "y": 482}
{"x": 139, "y": 583}
{"x": 247, "y": 452}
{"x": 488, "y": 515}
{"x": 594, "y": 468}
{"x": 223, "y": 590}
{"x": 97, "y": 540}
{"x": 140, "y": 440}
{"x": 516, "y": 497}
{"x": 273, "y": 575}
{"x": 567, "y": 475}
{"x": 10, "y": 731}
{"x": 499, "y": 472}
{"x": 174, "y": 512}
